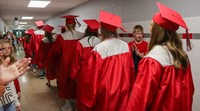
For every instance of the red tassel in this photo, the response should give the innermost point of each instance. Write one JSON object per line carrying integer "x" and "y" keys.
{"x": 188, "y": 43}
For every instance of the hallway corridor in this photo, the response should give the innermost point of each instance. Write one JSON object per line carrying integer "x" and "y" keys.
{"x": 35, "y": 95}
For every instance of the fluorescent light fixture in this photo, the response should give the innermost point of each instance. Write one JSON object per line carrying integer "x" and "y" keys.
{"x": 27, "y": 17}
{"x": 38, "y": 4}
{"x": 22, "y": 23}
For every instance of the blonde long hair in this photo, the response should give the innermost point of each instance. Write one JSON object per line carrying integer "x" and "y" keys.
{"x": 71, "y": 27}
{"x": 161, "y": 36}
{"x": 12, "y": 55}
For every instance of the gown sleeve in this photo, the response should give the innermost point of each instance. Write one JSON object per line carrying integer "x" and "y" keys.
{"x": 40, "y": 55}
{"x": 54, "y": 54}
{"x": 32, "y": 42}
{"x": 91, "y": 80}
{"x": 76, "y": 61}
{"x": 17, "y": 85}
{"x": 145, "y": 86}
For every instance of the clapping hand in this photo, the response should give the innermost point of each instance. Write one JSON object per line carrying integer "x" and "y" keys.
{"x": 10, "y": 72}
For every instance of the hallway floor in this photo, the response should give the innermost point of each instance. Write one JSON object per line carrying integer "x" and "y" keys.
{"x": 35, "y": 94}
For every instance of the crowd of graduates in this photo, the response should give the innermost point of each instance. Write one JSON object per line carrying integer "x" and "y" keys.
{"x": 99, "y": 72}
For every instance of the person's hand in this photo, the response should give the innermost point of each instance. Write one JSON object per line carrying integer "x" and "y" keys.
{"x": 10, "y": 72}
{"x": 134, "y": 47}
{"x": 141, "y": 55}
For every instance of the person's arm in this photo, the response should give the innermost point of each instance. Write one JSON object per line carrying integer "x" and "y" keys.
{"x": 76, "y": 65}
{"x": 141, "y": 55}
{"x": 11, "y": 72}
{"x": 91, "y": 80}
{"x": 17, "y": 87}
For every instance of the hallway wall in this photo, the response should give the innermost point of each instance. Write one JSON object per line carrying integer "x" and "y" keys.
{"x": 2, "y": 25}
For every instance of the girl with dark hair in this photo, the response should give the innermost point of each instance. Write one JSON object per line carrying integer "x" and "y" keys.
{"x": 83, "y": 51}
{"x": 44, "y": 47}
{"x": 106, "y": 85}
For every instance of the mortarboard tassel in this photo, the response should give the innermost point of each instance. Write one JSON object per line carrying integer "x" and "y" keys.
{"x": 188, "y": 43}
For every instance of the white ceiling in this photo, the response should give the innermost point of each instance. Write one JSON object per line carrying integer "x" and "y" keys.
{"x": 9, "y": 9}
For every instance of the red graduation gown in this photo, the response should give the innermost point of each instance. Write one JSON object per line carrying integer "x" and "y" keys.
{"x": 64, "y": 50}
{"x": 35, "y": 41}
{"x": 41, "y": 57}
{"x": 83, "y": 52}
{"x": 159, "y": 86}
{"x": 107, "y": 83}
{"x": 27, "y": 48}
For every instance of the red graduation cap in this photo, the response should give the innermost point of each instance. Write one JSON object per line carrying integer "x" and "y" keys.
{"x": 93, "y": 25}
{"x": 39, "y": 23}
{"x": 170, "y": 20}
{"x": 70, "y": 19}
{"x": 48, "y": 28}
{"x": 110, "y": 21}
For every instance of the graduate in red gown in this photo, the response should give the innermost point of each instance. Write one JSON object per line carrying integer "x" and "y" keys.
{"x": 35, "y": 41}
{"x": 83, "y": 51}
{"x": 110, "y": 70}
{"x": 85, "y": 46}
{"x": 63, "y": 51}
{"x": 27, "y": 43}
{"x": 44, "y": 47}
{"x": 164, "y": 81}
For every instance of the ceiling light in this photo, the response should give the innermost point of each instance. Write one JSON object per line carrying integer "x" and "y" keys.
{"x": 27, "y": 17}
{"x": 22, "y": 23}
{"x": 38, "y": 4}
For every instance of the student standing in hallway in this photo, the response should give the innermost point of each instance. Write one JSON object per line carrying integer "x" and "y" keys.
{"x": 9, "y": 101}
{"x": 64, "y": 48}
{"x": 27, "y": 43}
{"x": 110, "y": 70}
{"x": 139, "y": 46}
{"x": 83, "y": 52}
{"x": 35, "y": 41}
{"x": 164, "y": 81}
{"x": 43, "y": 50}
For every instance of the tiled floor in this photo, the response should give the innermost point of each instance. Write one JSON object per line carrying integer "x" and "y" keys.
{"x": 35, "y": 95}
